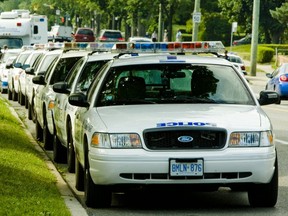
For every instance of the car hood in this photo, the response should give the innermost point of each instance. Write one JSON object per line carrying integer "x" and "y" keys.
{"x": 136, "y": 118}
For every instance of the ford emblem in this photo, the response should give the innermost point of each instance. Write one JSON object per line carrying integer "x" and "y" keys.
{"x": 185, "y": 139}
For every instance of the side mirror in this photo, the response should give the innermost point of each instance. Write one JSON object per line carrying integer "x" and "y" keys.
{"x": 267, "y": 97}
{"x": 78, "y": 99}
{"x": 8, "y": 66}
{"x": 17, "y": 65}
{"x": 61, "y": 87}
{"x": 29, "y": 71}
{"x": 39, "y": 80}
{"x": 269, "y": 75}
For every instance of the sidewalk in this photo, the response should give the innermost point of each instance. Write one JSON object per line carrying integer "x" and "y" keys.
{"x": 260, "y": 77}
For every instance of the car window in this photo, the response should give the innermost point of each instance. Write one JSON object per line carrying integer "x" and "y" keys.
{"x": 95, "y": 82}
{"x": 173, "y": 84}
{"x": 85, "y": 32}
{"x": 112, "y": 34}
{"x": 74, "y": 71}
{"x": 22, "y": 58}
{"x": 275, "y": 72}
{"x": 62, "y": 69}
{"x": 47, "y": 61}
{"x": 88, "y": 74}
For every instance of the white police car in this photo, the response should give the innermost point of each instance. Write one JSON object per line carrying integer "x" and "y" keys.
{"x": 79, "y": 79}
{"x": 174, "y": 120}
{"x": 45, "y": 96}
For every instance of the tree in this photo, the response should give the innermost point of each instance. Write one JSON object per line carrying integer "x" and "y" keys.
{"x": 242, "y": 10}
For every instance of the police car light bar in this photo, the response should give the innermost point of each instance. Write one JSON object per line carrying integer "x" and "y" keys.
{"x": 169, "y": 47}
{"x": 75, "y": 45}
{"x": 50, "y": 46}
{"x": 100, "y": 47}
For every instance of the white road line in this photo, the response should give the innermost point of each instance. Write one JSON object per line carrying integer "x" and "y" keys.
{"x": 281, "y": 141}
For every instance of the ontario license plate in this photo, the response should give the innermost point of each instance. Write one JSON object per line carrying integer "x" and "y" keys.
{"x": 186, "y": 167}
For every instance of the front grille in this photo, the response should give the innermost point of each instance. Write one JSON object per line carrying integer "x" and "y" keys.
{"x": 185, "y": 138}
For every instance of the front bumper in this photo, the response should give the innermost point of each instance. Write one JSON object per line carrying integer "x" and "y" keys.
{"x": 233, "y": 165}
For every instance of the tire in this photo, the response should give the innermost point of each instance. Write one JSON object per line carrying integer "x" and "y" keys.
{"x": 21, "y": 98}
{"x": 70, "y": 150}
{"x": 14, "y": 95}
{"x": 59, "y": 151}
{"x": 79, "y": 176}
{"x": 29, "y": 112}
{"x": 9, "y": 94}
{"x": 26, "y": 101}
{"x": 47, "y": 137}
{"x": 38, "y": 130}
{"x": 33, "y": 111}
{"x": 265, "y": 195}
{"x": 95, "y": 196}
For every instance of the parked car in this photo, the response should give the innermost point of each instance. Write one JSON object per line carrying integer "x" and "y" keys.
{"x": 14, "y": 73}
{"x": 78, "y": 80}
{"x": 22, "y": 96}
{"x": 84, "y": 35}
{"x": 4, "y": 70}
{"x": 243, "y": 41}
{"x": 44, "y": 99}
{"x": 278, "y": 81}
{"x": 39, "y": 68}
{"x": 109, "y": 35}
{"x": 174, "y": 120}
{"x": 139, "y": 39}
{"x": 237, "y": 62}
{"x": 60, "y": 33}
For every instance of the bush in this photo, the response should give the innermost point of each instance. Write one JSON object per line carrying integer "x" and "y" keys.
{"x": 265, "y": 54}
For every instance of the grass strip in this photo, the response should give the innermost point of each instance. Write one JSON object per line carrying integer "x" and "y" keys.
{"x": 27, "y": 187}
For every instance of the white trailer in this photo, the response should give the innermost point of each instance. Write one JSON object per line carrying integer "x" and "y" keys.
{"x": 19, "y": 27}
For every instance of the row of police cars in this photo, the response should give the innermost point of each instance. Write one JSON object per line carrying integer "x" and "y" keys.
{"x": 128, "y": 115}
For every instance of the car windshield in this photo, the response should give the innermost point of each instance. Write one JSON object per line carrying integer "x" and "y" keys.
{"x": 112, "y": 34}
{"x": 12, "y": 43}
{"x": 235, "y": 59}
{"x": 173, "y": 83}
{"x": 85, "y": 32}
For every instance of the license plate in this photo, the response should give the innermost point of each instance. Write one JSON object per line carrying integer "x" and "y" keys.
{"x": 186, "y": 167}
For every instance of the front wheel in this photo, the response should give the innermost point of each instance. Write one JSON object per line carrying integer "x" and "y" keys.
{"x": 14, "y": 95}
{"x": 9, "y": 94}
{"x": 47, "y": 137}
{"x": 265, "y": 195}
{"x": 70, "y": 150}
{"x": 79, "y": 176}
{"x": 38, "y": 130}
{"x": 95, "y": 196}
{"x": 29, "y": 111}
{"x": 59, "y": 151}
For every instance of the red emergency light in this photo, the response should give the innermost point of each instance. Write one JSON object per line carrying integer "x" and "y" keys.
{"x": 19, "y": 24}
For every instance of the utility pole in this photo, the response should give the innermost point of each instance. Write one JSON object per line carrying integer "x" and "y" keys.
{"x": 254, "y": 41}
{"x": 160, "y": 23}
{"x": 196, "y": 20}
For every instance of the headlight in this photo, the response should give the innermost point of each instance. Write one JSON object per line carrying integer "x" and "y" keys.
{"x": 102, "y": 140}
{"x": 251, "y": 139}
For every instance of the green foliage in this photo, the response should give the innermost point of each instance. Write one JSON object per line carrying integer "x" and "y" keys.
{"x": 215, "y": 27}
{"x": 242, "y": 11}
{"x": 265, "y": 54}
{"x": 281, "y": 13}
{"x": 27, "y": 185}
